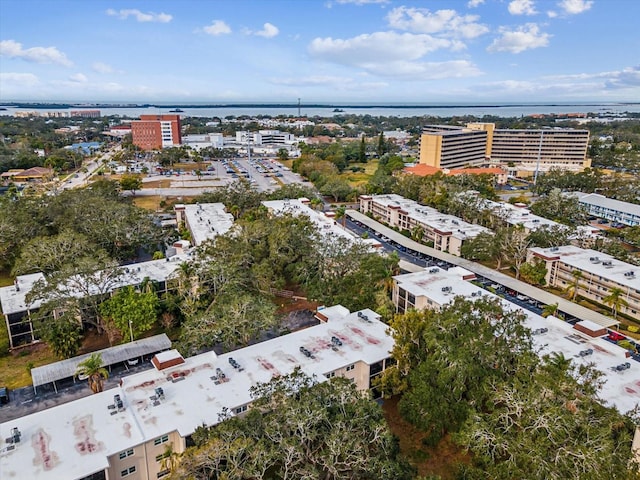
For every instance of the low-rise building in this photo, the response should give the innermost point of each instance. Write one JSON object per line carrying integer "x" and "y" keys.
{"x": 608, "y": 208}
{"x": 204, "y": 220}
{"x": 448, "y": 233}
{"x": 599, "y": 275}
{"x": 584, "y": 343}
{"x": 124, "y": 432}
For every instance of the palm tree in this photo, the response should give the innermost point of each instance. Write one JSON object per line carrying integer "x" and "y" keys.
{"x": 558, "y": 361}
{"x": 417, "y": 234}
{"x": 615, "y": 300}
{"x": 170, "y": 458}
{"x": 93, "y": 370}
{"x": 574, "y": 286}
{"x": 550, "y": 310}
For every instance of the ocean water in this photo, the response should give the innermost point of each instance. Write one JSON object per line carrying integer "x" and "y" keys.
{"x": 504, "y": 110}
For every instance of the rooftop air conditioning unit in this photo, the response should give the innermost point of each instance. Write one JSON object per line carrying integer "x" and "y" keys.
{"x": 629, "y": 274}
{"x": 594, "y": 259}
{"x": 446, "y": 289}
{"x": 434, "y": 270}
{"x": 554, "y": 249}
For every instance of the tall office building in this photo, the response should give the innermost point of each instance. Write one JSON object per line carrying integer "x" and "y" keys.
{"x": 153, "y": 132}
{"x": 526, "y": 151}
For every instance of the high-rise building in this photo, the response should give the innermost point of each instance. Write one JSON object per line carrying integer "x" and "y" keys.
{"x": 525, "y": 151}
{"x": 153, "y": 132}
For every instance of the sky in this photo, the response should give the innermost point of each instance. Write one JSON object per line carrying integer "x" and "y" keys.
{"x": 325, "y": 51}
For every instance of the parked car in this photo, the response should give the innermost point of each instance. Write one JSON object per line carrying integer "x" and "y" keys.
{"x": 616, "y": 337}
{"x": 4, "y": 396}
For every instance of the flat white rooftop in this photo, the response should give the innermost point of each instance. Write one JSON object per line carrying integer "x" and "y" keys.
{"x": 207, "y": 220}
{"x": 594, "y": 262}
{"x": 299, "y": 206}
{"x": 621, "y": 387}
{"x": 609, "y": 203}
{"x": 74, "y": 440}
{"x": 13, "y": 297}
{"x": 432, "y": 218}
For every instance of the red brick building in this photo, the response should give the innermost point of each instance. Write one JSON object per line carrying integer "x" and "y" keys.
{"x": 153, "y": 132}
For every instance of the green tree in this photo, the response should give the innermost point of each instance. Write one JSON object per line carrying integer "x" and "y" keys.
{"x": 572, "y": 288}
{"x": 298, "y": 429}
{"x": 62, "y": 333}
{"x": 382, "y": 145}
{"x": 341, "y": 213}
{"x": 93, "y": 370}
{"x": 283, "y": 154}
{"x": 362, "y": 151}
{"x": 550, "y": 310}
{"x": 534, "y": 272}
{"x": 131, "y": 312}
{"x": 131, "y": 182}
{"x": 615, "y": 300}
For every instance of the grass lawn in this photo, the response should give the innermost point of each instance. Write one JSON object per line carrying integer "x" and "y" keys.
{"x": 15, "y": 369}
{"x": 151, "y": 202}
{"x": 356, "y": 179}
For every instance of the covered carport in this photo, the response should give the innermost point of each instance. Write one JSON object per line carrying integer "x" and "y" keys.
{"x": 128, "y": 352}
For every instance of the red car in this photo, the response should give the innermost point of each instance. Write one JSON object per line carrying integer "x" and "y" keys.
{"x": 616, "y": 337}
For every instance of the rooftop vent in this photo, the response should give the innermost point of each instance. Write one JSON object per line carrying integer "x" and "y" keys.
{"x": 306, "y": 352}
{"x": 434, "y": 270}
{"x": 622, "y": 366}
{"x": 608, "y": 264}
{"x": 594, "y": 259}
{"x": 554, "y": 249}
{"x": 540, "y": 331}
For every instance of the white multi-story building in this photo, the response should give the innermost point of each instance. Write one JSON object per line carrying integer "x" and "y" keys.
{"x": 206, "y": 140}
{"x": 600, "y": 273}
{"x": 204, "y": 220}
{"x": 448, "y": 233}
{"x": 583, "y": 343}
{"x": 614, "y": 210}
{"x": 124, "y": 432}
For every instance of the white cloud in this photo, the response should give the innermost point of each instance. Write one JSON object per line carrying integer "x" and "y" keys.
{"x": 217, "y": 27}
{"x": 625, "y": 78}
{"x": 78, "y": 78}
{"x": 474, "y": 3}
{"x": 522, "y": 7}
{"x": 445, "y": 22}
{"x": 140, "y": 16}
{"x": 377, "y": 47}
{"x": 268, "y": 31}
{"x": 552, "y": 14}
{"x": 312, "y": 80}
{"x": 20, "y": 79}
{"x": 101, "y": 67}
{"x": 573, "y": 7}
{"x": 13, "y": 49}
{"x": 526, "y": 37}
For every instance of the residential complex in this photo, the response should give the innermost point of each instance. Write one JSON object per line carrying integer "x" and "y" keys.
{"x": 448, "y": 233}
{"x": 584, "y": 343}
{"x": 614, "y": 210}
{"x": 599, "y": 275}
{"x": 204, "y": 221}
{"x": 125, "y": 431}
{"x": 153, "y": 132}
{"x": 523, "y": 151}
{"x": 18, "y": 312}
{"x": 325, "y": 222}
{"x": 498, "y": 174}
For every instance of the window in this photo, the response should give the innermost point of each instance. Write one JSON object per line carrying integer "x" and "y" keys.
{"x": 350, "y": 367}
{"x": 126, "y": 453}
{"x": 128, "y": 471}
{"x": 161, "y": 440}
{"x": 330, "y": 374}
{"x": 241, "y": 409}
{"x": 162, "y": 456}
{"x": 163, "y": 473}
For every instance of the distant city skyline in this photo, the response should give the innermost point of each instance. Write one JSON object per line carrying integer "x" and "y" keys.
{"x": 324, "y": 51}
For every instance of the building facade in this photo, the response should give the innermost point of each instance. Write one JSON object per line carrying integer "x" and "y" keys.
{"x": 525, "y": 151}
{"x": 124, "y": 432}
{"x": 154, "y": 132}
{"x": 599, "y": 274}
{"x": 446, "y": 232}
{"x": 613, "y": 210}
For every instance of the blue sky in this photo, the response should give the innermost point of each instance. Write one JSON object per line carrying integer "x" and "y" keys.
{"x": 429, "y": 51}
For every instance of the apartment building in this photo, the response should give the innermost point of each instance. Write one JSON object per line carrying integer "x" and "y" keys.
{"x": 613, "y": 210}
{"x": 154, "y": 132}
{"x": 124, "y": 432}
{"x": 204, "y": 220}
{"x": 18, "y": 312}
{"x": 448, "y": 233}
{"x": 325, "y": 222}
{"x": 600, "y": 274}
{"x": 584, "y": 343}
{"x": 525, "y": 151}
